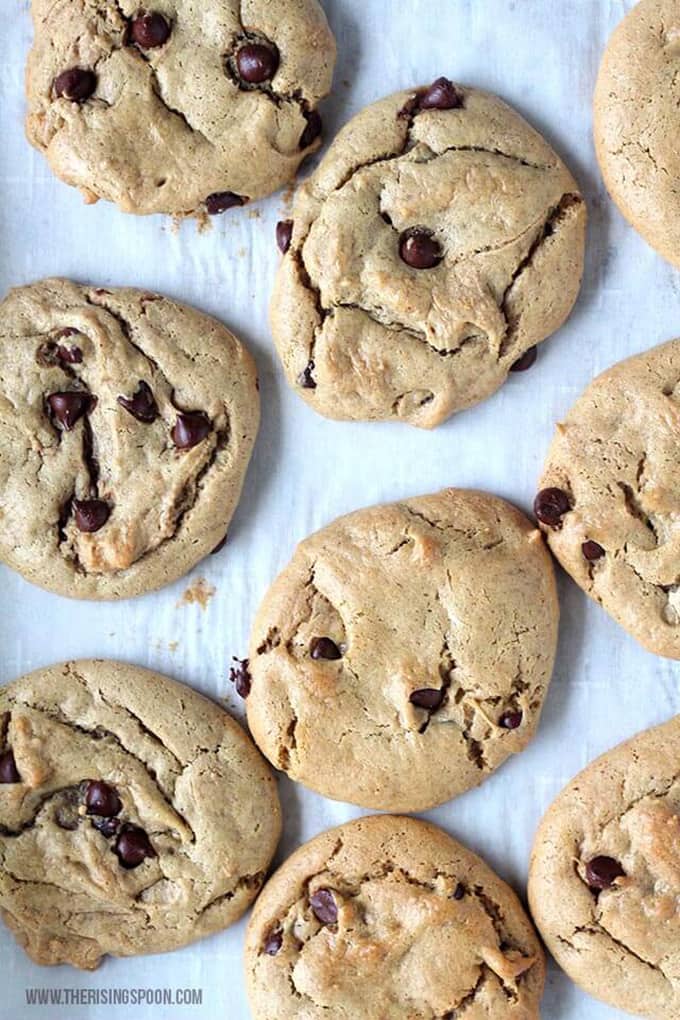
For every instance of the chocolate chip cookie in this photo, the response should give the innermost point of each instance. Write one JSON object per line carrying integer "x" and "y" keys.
{"x": 439, "y": 241}
{"x": 605, "y": 875}
{"x": 135, "y": 815}
{"x": 637, "y": 122}
{"x": 181, "y": 107}
{"x": 126, "y": 426}
{"x": 390, "y": 917}
{"x": 405, "y": 651}
{"x": 609, "y": 497}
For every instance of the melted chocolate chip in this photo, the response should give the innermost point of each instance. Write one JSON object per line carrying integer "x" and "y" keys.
{"x": 102, "y": 799}
{"x": 428, "y": 697}
{"x": 257, "y": 63}
{"x": 107, "y": 826}
{"x": 511, "y": 720}
{"x": 240, "y": 677}
{"x": 220, "y": 201}
{"x": 602, "y": 872}
{"x": 551, "y": 505}
{"x": 133, "y": 847}
{"x": 68, "y": 408}
{"x": 8, "y": 768}
{"x": 284, "y": 233}
{"x": 71, "y": 355}
{"x": 190, "y": 429}
{"x": 441, "y": 95}
{"x": 313, "y": 129}
{"x": 76, "y": 84}
{"x": 592, "y": 551}
{"x": 419, "y": 249}
{"x": 273, "y": 942}
{"x": 324, "y": 648}
{"x": 150, "y": 30}
{"x": 324, "y": 906}
{"x": 306, "y": 379}
{"x": 91, "y": 514}
{"x": 142, "y": 404}
{"x": 459, "y": 891}
{"x": 527, "y": 360}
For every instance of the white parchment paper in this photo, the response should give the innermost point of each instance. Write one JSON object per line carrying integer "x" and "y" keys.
{"x": 542, "y": 56}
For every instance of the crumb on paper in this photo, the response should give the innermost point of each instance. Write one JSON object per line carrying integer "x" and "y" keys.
{"x": 255, "y": 214}
{"x": 172, "y": 645}
{"x": 287, "y": 198}
{"x": 199, "y": 591}
{"x": 242, "y": 252}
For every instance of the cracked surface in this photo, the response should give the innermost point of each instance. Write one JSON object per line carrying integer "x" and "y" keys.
{"x": 185, "y": 773}
{"x": 169, "y": 126}
{"x": 623, "y": 944}
{"x": 616, "y": 456}
{"x": 388, "y": 341}
{"x": 452, "y": 594}
{"x": 169, "y": 507}
{"x": 424, "y": 929}
{"x": 636, "y": 122}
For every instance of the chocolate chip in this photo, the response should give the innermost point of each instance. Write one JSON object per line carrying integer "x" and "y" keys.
{"x": 102, "y": 799}
{"x": 324, "y": 648}
{"x": 419, "y": 249}
{"x": 91, "y": 514}
{"x": 441, "y": 95}
{"x": 602, "y": 872}
{"x": 190, "y": 429}
{"x": 273, "y": 942}
{"x": 107, "y": 826}
{"x": 68, "y": 408}
{"x": 77, "y": 84}
{"x": 313, "y": 129}
{"x": 8, "y": 768}
{"x": 592, "y": 551}
{"x": 284, "y": 233}
{"x": 257, "y": 63}
{"x": 141, "y": 405}
{"x": 527, "y": 360}
{"x": 240, "y": 677}
{"x": 551, "y": 505}
{"x": 459, "y": 892}
{"x": 150, "y": 30}
{"x": 324, "y": 906}
{"x": 511, "y": 720}
{"x": 428, "y": 697}
{"x": 306, "y": 379}
{"x": 220, "y": 201}
{"x": 133, "y": 847}
{"x": 71, "y": 355}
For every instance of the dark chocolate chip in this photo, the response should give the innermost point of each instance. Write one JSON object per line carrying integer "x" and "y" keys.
{"x": 240, "y": 677}
{"x": 77, "y": 84}
{"x": 459, "y": 891}
{"x": 91, "y": 514}
{"x": 67, "y": 408}
{"x": 284, "y": 233}
{"x": 313, "y": 129}
{"x": 190, "y": 429}
{"x": 107, "y": 826}
{"x": 419, "y": 249}
{"x": 141, "y": 405}
{"x": 273, "y": 942}
{"x": 551, "y": 505}
{"x": 102, "y": 799}
{"x": 8, "y": 768}
{"x": 427, "y": 697}
{"x": 592, "y": 551}
{"x": 257, "y": 63}
{"x": 306, "y": 379}
{"x": 133, "y": 847}
{"x": 527, "y": 360}
{"x": 220, "y": 201}
{"x": 71, "y": 355}
{"x": 324, "y": 906}
{"x": 150, "y": 30}
{"x": 602, "y": 872}
{"x": 324, "y": 648}
{"x": 441, "y": 95}
{"x": 511, "y": 720}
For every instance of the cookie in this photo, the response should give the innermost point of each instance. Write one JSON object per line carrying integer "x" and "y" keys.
{"x": 126, "y": 426}
{"x": 405, "y": 651}
{"x": 438, "y": 242}
{"x": 605, "y": 875}
{"x": 135, "y": 815}
{"x": 636, "y": 122}
{"x": 609, "y": 497}
{"x": 390, "y": 917}
{"x": 183, "y": 108}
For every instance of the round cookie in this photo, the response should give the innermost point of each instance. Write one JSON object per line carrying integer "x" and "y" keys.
{"x": 390, "y": 917}
{"x": 636, "y": 122}
{"x": 135, "y": 815}
{"x": 438, "y": 242}
{"x": 405, "y": 651}
{"x": 610, "y": 495}
{"x": 605, "y": 876}
{"x": 126, "y": 426}
{"x": 182, "y": 108}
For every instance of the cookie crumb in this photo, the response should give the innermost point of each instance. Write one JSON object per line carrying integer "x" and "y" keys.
{"x": 199, "y": 592}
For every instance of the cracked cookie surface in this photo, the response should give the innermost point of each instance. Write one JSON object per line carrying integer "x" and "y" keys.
{"x": 390, "y": 917}
{"x": 615, "y": 527}
{"x": 405, "y": 651}
{"x": 126, "y": 426}
{"x": 605, "y": 876}
{"x": 440, "y": 239}
{"x": 636, "y": 122}
{"x": 135, "y": 815}
{"x": 183, "y": 108}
